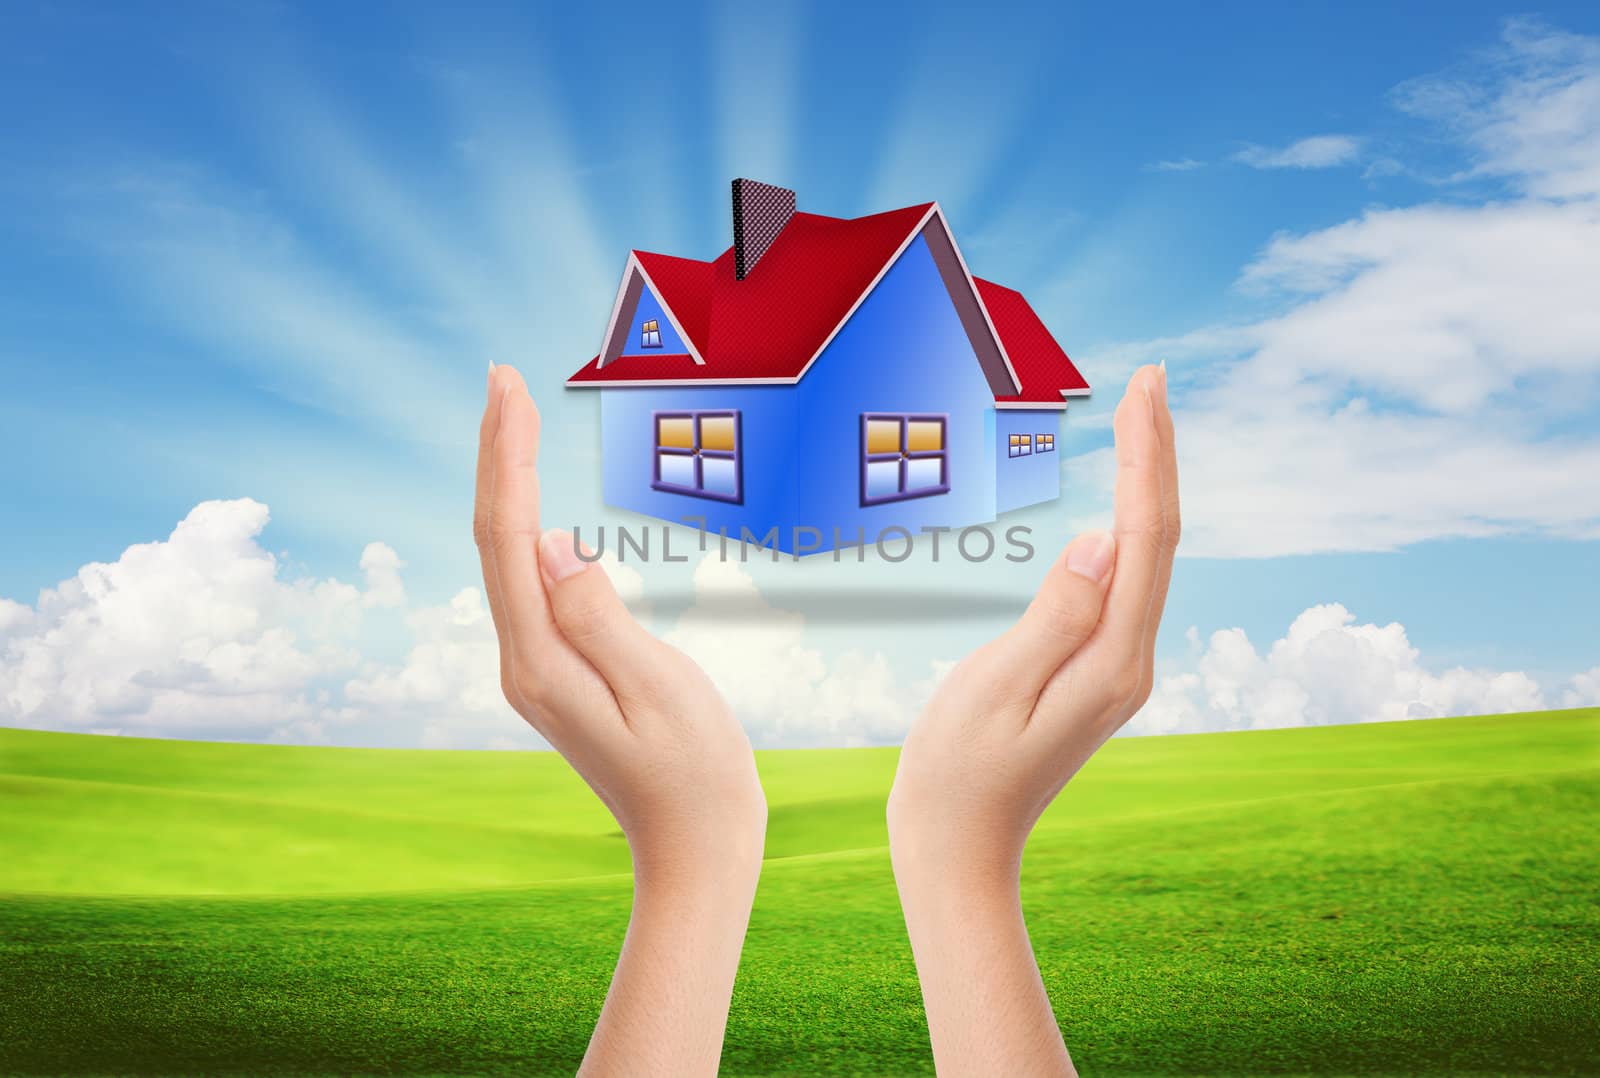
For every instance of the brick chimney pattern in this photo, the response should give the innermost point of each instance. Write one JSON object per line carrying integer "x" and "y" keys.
{"x": 760, "y": 211}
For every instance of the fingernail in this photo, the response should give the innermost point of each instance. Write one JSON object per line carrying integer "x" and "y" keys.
{"x": 1090, "y": 555}
{"x": 491, "y": 376}
{"x": 1161, "y": 382}
{"x": 557, "y": 557}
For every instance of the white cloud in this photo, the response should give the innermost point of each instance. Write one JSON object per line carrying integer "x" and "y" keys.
{"x": 1325, "y": 669}
{"x": 1433, "y": 371}
{"x": 1583, "y": 690}
{"x": 1533, "y": 118}
{"x": 201, "y": 635}
{"x": 448, "y": 685}
{"x": 13, "y": 616}
{"x": 192, "y": 634}
{"x": 1318, "y": 151}
{"x": 382, "y": 568}
{"x": 1184, "y": 164}
{"x": 785, "y": 691}
{"x": 447, "y": 688}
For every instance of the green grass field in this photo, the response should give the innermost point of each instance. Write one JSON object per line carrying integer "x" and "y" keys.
{"x": 1401, "y": 898}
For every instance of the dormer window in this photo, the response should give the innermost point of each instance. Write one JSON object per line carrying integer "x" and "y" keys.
{"x": 650, "y": 334}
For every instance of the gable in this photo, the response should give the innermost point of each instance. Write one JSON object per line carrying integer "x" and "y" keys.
{"x": 956, "y": 289}
{"x": 906, "y": 341}
{"x": 640, "y": 299}
{"x": 665, "y": 339}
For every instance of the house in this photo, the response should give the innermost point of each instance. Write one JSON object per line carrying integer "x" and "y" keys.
{"x": 826, "y": 374}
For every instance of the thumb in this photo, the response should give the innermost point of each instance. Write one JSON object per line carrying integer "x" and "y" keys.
{"x": 593, "y": 618}
{"x": 1061, "y": 617}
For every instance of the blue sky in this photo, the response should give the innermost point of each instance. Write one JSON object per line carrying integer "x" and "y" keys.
{"x": 264, "y": 251}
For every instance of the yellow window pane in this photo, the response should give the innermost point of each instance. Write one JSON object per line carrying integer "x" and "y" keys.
{"x": 716, "y": 432}
{"x": 652, "y": 325}
{"x": 924, "y": 435}
{"x": 675, "y": 432}
{"x": 883, "y": 436}
{"x": 1016, "y": 439}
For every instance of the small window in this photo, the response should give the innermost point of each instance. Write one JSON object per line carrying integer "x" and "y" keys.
{"x": 650, "y": 334}
{"x": 1021, "y": 446}
{"x": 1044, "y": 443}
{"x": 697, "y": 453}
{"x": 903, "y": 456}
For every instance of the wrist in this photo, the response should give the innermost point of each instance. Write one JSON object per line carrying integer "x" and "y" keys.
{"x": 701, "y": 905}
{"x": 701, "y": 862}
{"x": 938, "y": 874}
{"x": 946, "y": 842}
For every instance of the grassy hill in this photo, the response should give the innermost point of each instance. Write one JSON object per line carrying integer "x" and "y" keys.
{"x": 1392, "y": 898}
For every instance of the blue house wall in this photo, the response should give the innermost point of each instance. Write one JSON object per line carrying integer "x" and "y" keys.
{"x": 767, "y": 422}
{"x": 903, "y": 351}
{"x": 1031, "y": 479}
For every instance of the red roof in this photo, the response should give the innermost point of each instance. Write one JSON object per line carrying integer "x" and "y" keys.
{"x": 770, "y": 326}
{"x": 1042, "y": 367}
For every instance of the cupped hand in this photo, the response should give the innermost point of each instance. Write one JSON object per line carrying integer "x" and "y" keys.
{"x": 1004, "y": 732}
{"x": 1018, "y": 717}
{"x": 647, "y": 730}
{"x": 637, "y": 718}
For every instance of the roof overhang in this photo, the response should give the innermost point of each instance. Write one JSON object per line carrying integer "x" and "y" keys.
{"x": 675, "y": 383}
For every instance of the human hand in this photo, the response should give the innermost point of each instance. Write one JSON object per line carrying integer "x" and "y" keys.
{"x": 648, "y": 731}
{"x": 1004, "y": 732}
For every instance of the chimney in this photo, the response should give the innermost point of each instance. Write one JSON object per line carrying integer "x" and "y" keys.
{"x": 760, "y": 211}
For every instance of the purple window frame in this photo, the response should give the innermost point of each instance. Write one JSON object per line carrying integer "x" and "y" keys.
{"x": 904, "y": 455}
{"x": 737, "y": 456}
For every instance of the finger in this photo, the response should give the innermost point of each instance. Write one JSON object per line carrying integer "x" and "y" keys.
{"x": 592, "y": 618}
{"x": 488, "y": 429}
{"x": 1172, "y": 526}
{"x": 1138, "y": 522}
{"x": 510, "y": 533}
{"x": 1061, "y": 617}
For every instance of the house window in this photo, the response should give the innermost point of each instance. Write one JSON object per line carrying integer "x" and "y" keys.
{"x": 697, "y": 453}
{"x": 903, "y": 456}
{"x": 650, "y": 334}
{"x": 1044, "y": 443}
{"x": 1021, "y": 446}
